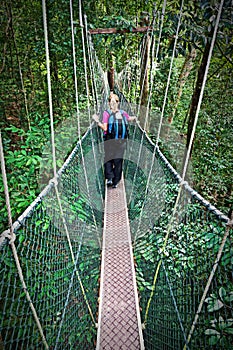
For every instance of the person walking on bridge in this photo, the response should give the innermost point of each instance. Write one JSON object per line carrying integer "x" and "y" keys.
{"x": 115, "y": 127}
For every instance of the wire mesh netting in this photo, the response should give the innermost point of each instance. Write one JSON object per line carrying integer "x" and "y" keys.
{"x": 183, "y": 257}
{"x": 62, "y": 288}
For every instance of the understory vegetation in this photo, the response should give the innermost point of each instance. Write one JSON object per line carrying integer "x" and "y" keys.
{"x": 25, "y": 110}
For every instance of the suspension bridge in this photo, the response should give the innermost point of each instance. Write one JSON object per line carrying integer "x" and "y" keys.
{"x": 144, "y": 266}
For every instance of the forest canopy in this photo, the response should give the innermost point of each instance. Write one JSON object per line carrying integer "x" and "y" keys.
{"x": 25, "y": 122}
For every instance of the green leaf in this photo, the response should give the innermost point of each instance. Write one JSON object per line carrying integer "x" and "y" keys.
{"x": 213, "y": 339}
{"x": 21, "y": 238}
{"x": 9, "y": 262}
{"x": 214, "y": 305}
{"x": 211, "y": 332}
{"x": 222, "y": 293}
{"x": 229, "y": 297}
{"x": 229, "y": 330}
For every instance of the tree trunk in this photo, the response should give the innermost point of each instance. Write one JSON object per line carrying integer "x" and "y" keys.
{"x": 144, "y": 84}
{"x": 111, "y": 78}
{"x": 186, "y": 69}
{"x": 110, "y": 72}
{"x": 196, "y": 97}
{"x": 144, "y": 81}
{"x": 22, "y": 87}
{"x": 196, "y": 93}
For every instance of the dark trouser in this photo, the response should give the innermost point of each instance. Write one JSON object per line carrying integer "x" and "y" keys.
{"x": 113, "y": 159}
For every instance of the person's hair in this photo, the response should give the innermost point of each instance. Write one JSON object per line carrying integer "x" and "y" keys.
{"x": 113, "y": 96}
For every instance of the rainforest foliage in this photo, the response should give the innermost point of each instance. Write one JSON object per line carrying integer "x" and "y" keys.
{"x": 25, "y": 121}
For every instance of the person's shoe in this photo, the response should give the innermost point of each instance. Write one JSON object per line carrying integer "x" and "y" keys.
{"x": 109, "y": 182}
{"x": 114, "y": 186}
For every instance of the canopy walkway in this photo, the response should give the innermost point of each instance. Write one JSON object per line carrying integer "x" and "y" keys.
{"x": 182, "y": 303}
{"x": 146, "y": 265}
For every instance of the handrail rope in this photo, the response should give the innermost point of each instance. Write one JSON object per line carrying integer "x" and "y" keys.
{"x": 12, "y": 237}
{"x": 187, "y": 187}
{"x": 54, "y": 154}
{"x": 89, "y": 116}
{"x": 20, "y": 220}
{"x": 170, "y": 224}
{"x": 175, "y": 305}
{"x": 93, "y": 89}
{"x": 143, "y": 134}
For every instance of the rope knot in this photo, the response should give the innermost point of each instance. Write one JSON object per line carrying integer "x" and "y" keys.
{"x": 54, "y": 181}
{"x": 7, "y": 234}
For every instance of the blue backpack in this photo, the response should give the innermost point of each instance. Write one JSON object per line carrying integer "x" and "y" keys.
{"x": 117, "y": 128}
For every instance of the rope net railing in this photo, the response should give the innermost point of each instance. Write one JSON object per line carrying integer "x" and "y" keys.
{"x": 187, "y": 303}
{"x": 63, "y": 291}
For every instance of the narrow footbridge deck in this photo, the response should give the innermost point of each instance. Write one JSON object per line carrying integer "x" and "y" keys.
{"x": 119, "y": 325}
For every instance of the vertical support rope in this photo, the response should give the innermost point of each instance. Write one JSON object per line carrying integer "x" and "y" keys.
{"x": 207, "y": 287}
{"x": 185, "y": 167}
{"x": 89, "y": 116}
{"x": 140, "y": 150}
{"x": 75, "y": 69}
{"x": 93, "y": 80}
{"x": 153, "y": 155}
{"x": 49, "y": 88}
{"x": 175, "y": 304}
{"x": 54, "y": 157}
{"x": 12, "y": 239}
{"x": 164, "y": 102}
{"x": 68, "y": 294}
{"x": 169, "y": 75}
{"x": 156, "y": 59}
{"x": 93, "y": 87}
{"x": 145, "y": 71}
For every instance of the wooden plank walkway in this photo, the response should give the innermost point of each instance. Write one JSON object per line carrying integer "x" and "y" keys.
{"x": 119, "y": 324}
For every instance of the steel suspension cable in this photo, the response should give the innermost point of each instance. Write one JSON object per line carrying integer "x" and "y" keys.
{"x": 170, "y": 224}
{"x": 11, "y": 238}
